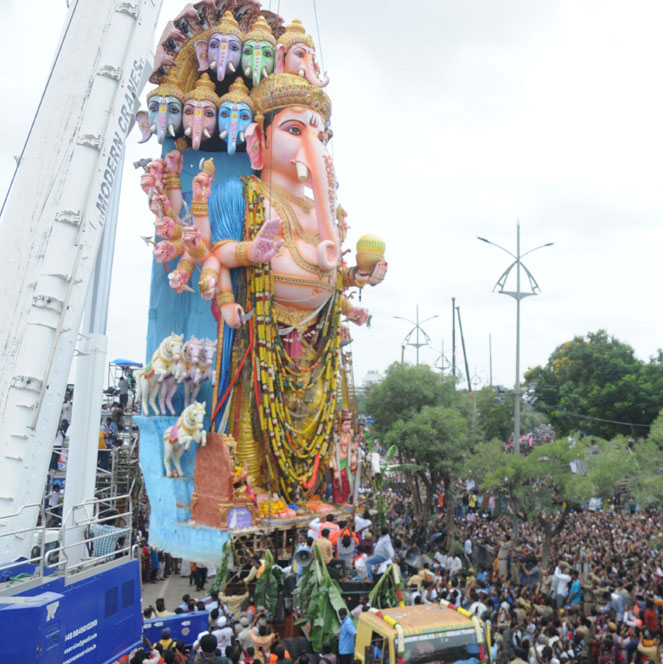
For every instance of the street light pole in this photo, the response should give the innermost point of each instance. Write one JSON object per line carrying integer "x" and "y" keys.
{"x": 517, "y": 295}
{"x": 416, "y": 329}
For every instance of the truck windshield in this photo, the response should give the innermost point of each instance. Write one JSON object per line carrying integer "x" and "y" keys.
{"x": 453, "y": 647}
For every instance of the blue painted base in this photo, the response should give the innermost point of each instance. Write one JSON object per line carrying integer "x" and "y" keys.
{"x": 170, "y": 499}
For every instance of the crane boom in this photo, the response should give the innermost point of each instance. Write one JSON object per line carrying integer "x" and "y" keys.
{"x": 52, "y": 227}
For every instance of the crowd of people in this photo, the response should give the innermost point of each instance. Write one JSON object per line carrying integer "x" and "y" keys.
{"x": 595, "y": 598}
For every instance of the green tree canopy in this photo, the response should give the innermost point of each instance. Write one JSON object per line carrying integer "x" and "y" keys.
{"x": 592, "y": 383}
{"x": 537, "y": 485}
{"x": 428, "y": 420}
{"x": 405, "y": 390}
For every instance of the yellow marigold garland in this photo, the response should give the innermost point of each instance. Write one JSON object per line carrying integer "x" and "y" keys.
{"x": 276, "y": 372}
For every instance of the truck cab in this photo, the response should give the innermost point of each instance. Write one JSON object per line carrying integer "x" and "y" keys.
{"x": 424, "y": 634}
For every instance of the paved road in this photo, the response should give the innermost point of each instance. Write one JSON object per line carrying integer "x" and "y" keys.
{"x": 171, "y": 589}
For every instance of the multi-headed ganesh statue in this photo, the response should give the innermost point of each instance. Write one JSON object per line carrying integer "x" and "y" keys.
{"x": 247, "y": 249}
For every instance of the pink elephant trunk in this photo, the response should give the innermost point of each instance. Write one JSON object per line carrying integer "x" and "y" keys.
{"x": 222, "y": 64}
{"x": 323, "y": 183}
{"x": 311, "y": 74}
{"x": 162, "y": 122}
{"x": 197, "y": 127}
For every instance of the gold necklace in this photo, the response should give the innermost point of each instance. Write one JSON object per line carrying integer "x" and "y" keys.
{"x": 288, "y": 220}
{"x": 305, "y": 203}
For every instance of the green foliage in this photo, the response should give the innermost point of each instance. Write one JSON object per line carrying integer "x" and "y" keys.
{"x": 536, "y": 485}
{"x": 404, "y": 391}
{"x": 631, "y": 469}
{"x": 228, "y": 558}
{"x": 495, "y": 414}
{"x": 599, "y": 377}
{"x": 436, "y": 438}
{"x": 421, "y": 414}
{"x": 267, "y": 586}
{"x": 319, "y": 599}
{"x": 388, "y": 591}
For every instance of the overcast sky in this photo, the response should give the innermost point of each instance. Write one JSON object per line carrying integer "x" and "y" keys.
{"x": 452, "y": 119}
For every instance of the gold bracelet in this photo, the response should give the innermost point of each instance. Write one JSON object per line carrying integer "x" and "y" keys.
{"x": 225, "y": 297}
{"x": 199, "y": 208}
{"x": 171, "y": 181}
{"x": 186, "y": 266}
{"x": 198, "y": 252}
{"x": 219, "y": 243}
{"x": 241, "y": 253}
{"x": 207, "y": 272}
{"x": 179, "y": 247}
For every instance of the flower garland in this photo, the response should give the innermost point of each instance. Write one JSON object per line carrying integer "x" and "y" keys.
{"x": 294, "y": 455}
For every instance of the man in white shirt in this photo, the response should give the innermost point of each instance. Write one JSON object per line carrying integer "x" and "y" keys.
{"x": 563, "y": 580}
{"x": 455, "y": 565}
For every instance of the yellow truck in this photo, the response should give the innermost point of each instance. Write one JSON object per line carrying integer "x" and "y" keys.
{"x": 424, "y": 634}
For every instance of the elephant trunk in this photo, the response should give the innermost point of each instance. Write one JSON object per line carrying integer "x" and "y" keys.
{"x": 311, "y": 74}
{"x": 162, "y": 122}
{"x": 232, "y": 133}
{"x": 316, "y": 168}
{"x": 197, "y": 127}
{"x": 257, "y": 65}
{"x": 222, "y": 64}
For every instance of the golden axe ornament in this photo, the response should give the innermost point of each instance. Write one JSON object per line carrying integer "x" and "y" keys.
{"x": 269, "y": 259}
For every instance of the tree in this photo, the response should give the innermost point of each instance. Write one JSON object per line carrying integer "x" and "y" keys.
{"x": 428, "y": 420}
{"x": 594, "y": 382}
{"x": 436, "y": 438}
{"x": 405, "y": 390}
{"x": 536, "y": 486}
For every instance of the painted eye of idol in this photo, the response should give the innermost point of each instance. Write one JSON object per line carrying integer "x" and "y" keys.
{"x": 234, "y": 46}
{"x": 245, "y": 116}
{"x": 210, "y": 112}
{"x": 300, "y": 53}
{"x": 267, "y": 53}
{"x": 214, "y": 43}
{"x": 224, "y": 113}
{"x": 154, "y": 106}
{"x": 188, "y": 110}
{"x": 248, "y": 50}
{"x": 174, "y": 109}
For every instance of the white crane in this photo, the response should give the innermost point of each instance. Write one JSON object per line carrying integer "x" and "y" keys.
{"x": 62, "y": 204}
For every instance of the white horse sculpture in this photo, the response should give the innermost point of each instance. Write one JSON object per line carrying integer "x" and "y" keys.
{"x": 163, "y": 363}
{"x": 204, "y": 372}
{"x": 186, "y": 372}
{"x": 178, "y": 438}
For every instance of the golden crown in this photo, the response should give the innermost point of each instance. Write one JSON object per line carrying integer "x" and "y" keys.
{"x": 295, "y": 34}
{"x": 226, "y": 26}
{"x": 203, "y": 90}
{"x": 238, "y": 93}
{"x": 260, "y": 31}
{"x": 167, "y": 89}
{"x": 280, "y": 91}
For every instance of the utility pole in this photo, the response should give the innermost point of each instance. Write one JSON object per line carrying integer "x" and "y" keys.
{"x": 415, "y": 330}
{"x": 517, "y": 295}
{"x": 453, "y": 337}
{"x": 490, "y": 358}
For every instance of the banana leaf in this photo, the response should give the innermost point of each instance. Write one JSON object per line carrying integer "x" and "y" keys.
{"x": 228, "y": 558}
{"x": 319, "y": 599}
{"x": 388, "y": 591}
{"x": 268, "y": 585}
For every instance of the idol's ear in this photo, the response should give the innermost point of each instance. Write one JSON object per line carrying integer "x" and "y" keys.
{"x": 255, "y": 145}
{"x": 144, "y": 126}
{"x": 279, "y": 63}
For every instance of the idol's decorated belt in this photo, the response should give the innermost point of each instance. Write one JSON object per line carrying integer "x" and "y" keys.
{"x": 293, "y": 317}
{"x": 302, "y": 281}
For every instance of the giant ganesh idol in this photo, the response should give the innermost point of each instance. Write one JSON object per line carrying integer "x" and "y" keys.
{"x": 258, "y": 265}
